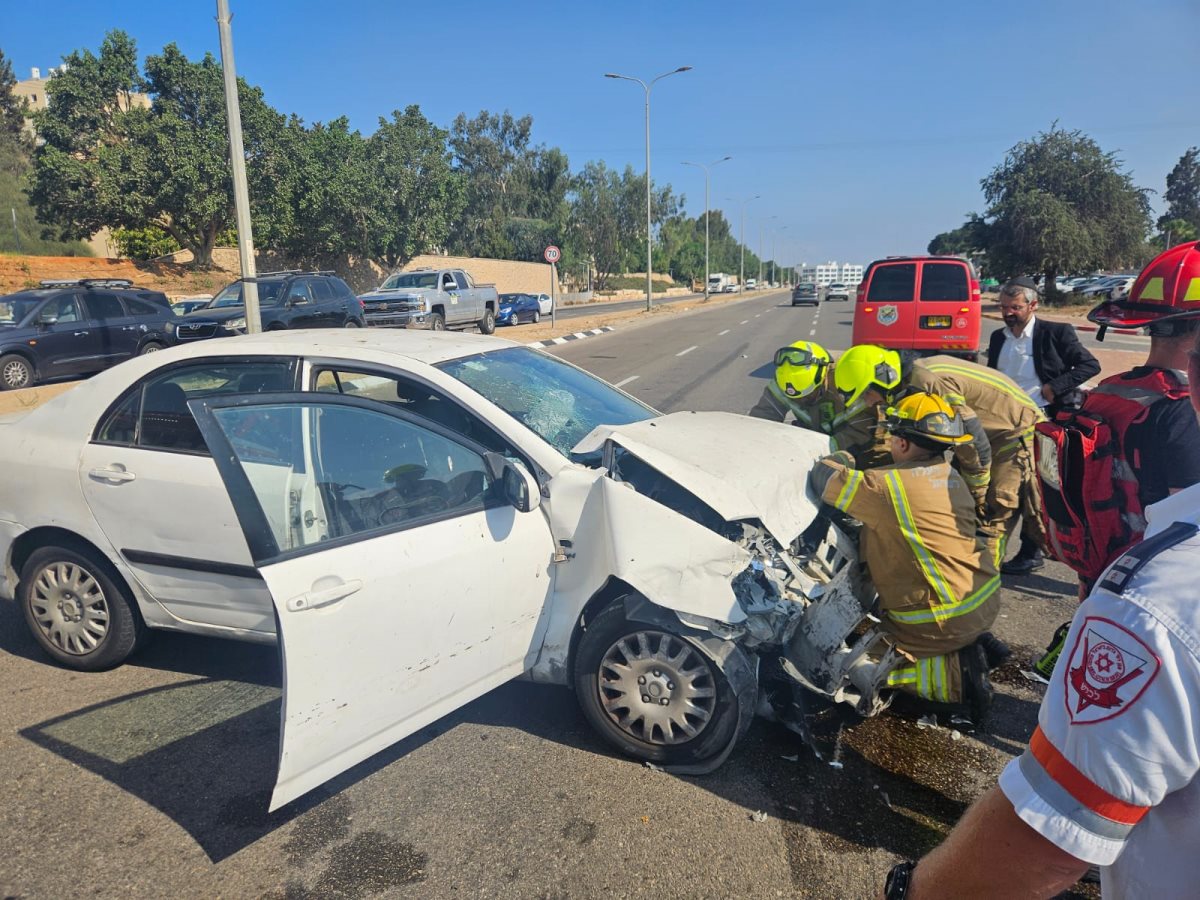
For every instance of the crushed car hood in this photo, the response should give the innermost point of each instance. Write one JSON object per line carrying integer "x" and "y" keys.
{"x": 744, "y": 468}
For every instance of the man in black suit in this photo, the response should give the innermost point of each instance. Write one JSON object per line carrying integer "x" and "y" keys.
{"x": 1046, "y": 359}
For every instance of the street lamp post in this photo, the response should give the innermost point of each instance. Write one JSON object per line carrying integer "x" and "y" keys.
{"x": 742, "y": 276}
{"x": 762, "y": 247}
{"x": 649, "y": 235}
{"x": 706, "y": 168}
{"x": 774, "y": 235}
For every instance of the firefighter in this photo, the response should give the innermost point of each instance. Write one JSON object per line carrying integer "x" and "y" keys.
{"x": 800, "y": 388}
{"x": 934, "y": 571}
{"x": 994, "y": 409}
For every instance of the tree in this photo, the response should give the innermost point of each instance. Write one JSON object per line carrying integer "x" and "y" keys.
{"x": 13, "y": 109}
{"x": 1183, "y": 192}
{"x": 595, "y": 221}
{"x": 1175, "y": 231}
{"x": 971, "y": 240}
{"x": 1058, "y": 203}
{"x": 109, "y": 161}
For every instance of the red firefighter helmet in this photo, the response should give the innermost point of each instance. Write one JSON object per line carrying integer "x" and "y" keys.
{"x": 1167, "y": 289}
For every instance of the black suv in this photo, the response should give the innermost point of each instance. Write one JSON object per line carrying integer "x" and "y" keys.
{"x": 291, "y": 299}
{"x": 67, "y": 329}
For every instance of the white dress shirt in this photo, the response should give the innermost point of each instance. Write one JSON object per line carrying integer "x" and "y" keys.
{"x": 1016, "y": 361}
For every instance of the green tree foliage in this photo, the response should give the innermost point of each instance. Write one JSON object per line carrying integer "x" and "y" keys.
{"x": 150, "y": 242}
{"x": 1058, "y": 203}
{"x": 1183, "y": 192}
{"x": 1174, "y": 231}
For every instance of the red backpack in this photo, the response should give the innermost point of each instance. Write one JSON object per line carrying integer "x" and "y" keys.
{"x": 1090, "y": 504}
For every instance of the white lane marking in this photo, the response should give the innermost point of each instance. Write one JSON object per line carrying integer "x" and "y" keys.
{"x": 625, "y": 381}
{"x": 810, "y": 334}
{"x": 743, "y": 322}
{"x": 756, "y": 315}
{"x": 685, "y": 352}
{"x": 719, "y": 333}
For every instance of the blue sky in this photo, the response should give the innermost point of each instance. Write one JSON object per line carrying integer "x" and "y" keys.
{"x": 865, "y": 126}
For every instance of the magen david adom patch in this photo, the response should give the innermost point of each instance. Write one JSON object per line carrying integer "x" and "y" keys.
{"x": 1108, "y": 670}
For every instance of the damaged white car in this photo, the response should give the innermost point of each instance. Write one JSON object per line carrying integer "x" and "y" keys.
{"x": 424, "y": 516}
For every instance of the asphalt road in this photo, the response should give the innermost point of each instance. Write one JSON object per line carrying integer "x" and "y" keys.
{"x": 590, "y": 309}
{"x": 152, "y": 780}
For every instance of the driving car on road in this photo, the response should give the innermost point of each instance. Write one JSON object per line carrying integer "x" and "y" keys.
{"x": 69, "y": 329}
{"x": 806, "y": 293}
{"x": 518, "y": 308}
{"x": 837, "y": 291}
{"x": 400, "y": 503}
{"x": 288, "y": 299}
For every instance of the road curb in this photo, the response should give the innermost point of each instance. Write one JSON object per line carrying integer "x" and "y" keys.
{"x": 566, "y": 338}
{"x": 1087, "y": 327}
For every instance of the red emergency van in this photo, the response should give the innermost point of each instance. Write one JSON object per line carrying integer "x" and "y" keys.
{"x": 925, "y": 303}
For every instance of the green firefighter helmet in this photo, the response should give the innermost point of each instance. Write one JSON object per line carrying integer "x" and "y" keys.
{"x": 800, "y": 368}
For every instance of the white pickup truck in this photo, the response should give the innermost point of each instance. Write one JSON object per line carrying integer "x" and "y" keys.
{"x": 436, "y": 299}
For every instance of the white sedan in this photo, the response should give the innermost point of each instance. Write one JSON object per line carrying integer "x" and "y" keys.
{"x": 422, "y": 516}
{"x": 545, "y": 304}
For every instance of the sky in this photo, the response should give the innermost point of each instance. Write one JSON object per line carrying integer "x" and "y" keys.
{"x": 863, "y": 127}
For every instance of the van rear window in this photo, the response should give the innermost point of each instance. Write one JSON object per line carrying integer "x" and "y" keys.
{"x": 944, "y": 281}
{"x": 893, "y": 282}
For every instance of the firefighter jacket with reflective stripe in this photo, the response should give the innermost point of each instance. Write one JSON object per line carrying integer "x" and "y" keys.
{"x": 1111, "y": 773}
{"x": 936, "y": 577}
{"x": 1007, "y": 413}
{"x": 814, "y": 412}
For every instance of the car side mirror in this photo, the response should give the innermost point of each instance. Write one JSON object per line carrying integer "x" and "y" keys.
{"x": 48, "y": 320}
{"x": 518, "y": 485}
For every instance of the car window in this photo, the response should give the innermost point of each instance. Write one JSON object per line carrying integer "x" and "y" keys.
{"x": 154, "y": 414}
{"x": 552, "y": 398}
{"x": 321, "y": 290}
{"x": 144, "y": 308}
{"x": 413, "y": 397}
{"x": 410, "y": 280}
{"x": 231, "y": 295}
{"x": 893, "y": 282}
{"x": 104, "y": 306}
{"x": 944, "y": 281}
{"x": 340, "y": 289}
{"x": 66, "y": 308}
{"x": 358, "y": 470}
{"x": 298, "y": 292}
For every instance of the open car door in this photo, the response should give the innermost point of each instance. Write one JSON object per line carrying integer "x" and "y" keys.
{"x": 409, "y": 567}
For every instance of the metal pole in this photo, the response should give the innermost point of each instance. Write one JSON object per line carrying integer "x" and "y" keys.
{"x": 707, "y": 273}
{"x": 553, "y": 295}
{"x": 649, "y": 233}
{"x": 16, "y": 231}
{"x": 237, "y": 162}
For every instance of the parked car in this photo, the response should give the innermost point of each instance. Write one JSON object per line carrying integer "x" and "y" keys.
{"x": 289, "y": 299}
{"x": 1121, "y": 287}
{"x": 929, "y": 304}
{"x": 190, "y": 304}
{"x": 806, "y": 293}
{"x": 68, "y": 329}
{"x": 545, "y": 304}
{"x": 837, "y": 291}
{"x": 436, "y": 299}
{"x": 397, "y": 504}
{"x": 518, "y": 308}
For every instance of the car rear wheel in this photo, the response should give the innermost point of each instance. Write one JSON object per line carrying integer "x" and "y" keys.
{"x": 150, "y": 347}
{"x": 350, "y": 323}
{"x": 15, "y": 372}
{"x": 652, "y": 693}
{"x": 487, "y": 325}
{"x": 76, "y": 610}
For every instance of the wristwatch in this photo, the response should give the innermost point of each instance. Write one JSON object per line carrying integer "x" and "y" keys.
{"x": 899, "y": 880}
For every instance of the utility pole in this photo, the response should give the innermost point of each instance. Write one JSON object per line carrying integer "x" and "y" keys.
{"x": 237, "y": 162}
{"x": 16, "y": 232}
{"x": 706, "y": 168}
{"x": 742, "y": 276}
{"x": 649, "y": 223}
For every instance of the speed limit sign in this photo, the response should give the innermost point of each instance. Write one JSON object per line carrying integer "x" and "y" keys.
{"x": 552, "y": 254}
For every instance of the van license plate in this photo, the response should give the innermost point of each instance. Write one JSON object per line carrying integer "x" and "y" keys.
{"x": 935, "y": 321}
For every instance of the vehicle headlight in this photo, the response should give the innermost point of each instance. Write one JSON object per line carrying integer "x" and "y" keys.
{"x": 236, "y": 324}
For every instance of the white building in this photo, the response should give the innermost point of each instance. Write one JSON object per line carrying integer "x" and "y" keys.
{"x": 827, "y": 273}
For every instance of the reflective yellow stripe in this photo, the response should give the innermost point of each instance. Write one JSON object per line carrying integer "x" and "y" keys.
{"x": 946, "y": 611}
{"x": 1151, "y": 290}
{"x": 904, "y": 675}
{"x": 908, "y": 527}
{"x": 979, "y": 479}
{"x": 1017, "y": 441}
{"x": 939, "y": 670}
{"x": 930, "y": 676}
{"x": 1011, "y": 389}
{"x": 849, "y": 489}
{"x": 1193, "y": 291}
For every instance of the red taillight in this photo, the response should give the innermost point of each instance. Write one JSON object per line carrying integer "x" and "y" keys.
{"x": 868, "y": 309}
{"x": 362, "y": 305}
{"x": 963, "y": 309}
{"x": 861, "y": 294}
{"x": 975, "y": 295}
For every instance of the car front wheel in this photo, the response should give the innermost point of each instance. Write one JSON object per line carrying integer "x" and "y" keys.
{"x": 150, "y": 347}
{"x": 76, "y": 610}
{"x": 15, "y": 372}
{"x": 437, "y": 322}
{"x": 652, "y": 693}
{"x": 535, "y": 318}
{"x": 487, "y": 325}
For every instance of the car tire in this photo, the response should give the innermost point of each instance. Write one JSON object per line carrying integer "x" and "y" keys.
{"x": 351, "y": 323}
{"x": 437, "y": 322}
{"x": 150, "y": 347}
{"x": 674, "y": 670}
{"x": 536, "y": 317}
{"x": 487, "y": 325}
{"x": 77, "y": 609}
{"x": 16, "y": 372}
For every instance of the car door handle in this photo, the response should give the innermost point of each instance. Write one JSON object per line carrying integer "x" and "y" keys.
{"x": 324, "y": 597}
{"x": 112, "y": 474}
{"x": 82, "y": 333}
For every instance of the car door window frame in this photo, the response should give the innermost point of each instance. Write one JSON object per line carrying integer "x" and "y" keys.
{"x": 264, "y": 548}
{"x": 92, "y": 301}
{"x": 139, "y": 386}
{"x": 318, "y": 366}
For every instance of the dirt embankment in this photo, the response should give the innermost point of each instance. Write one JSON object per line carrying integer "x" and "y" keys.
{"x": 175, "y": 280}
